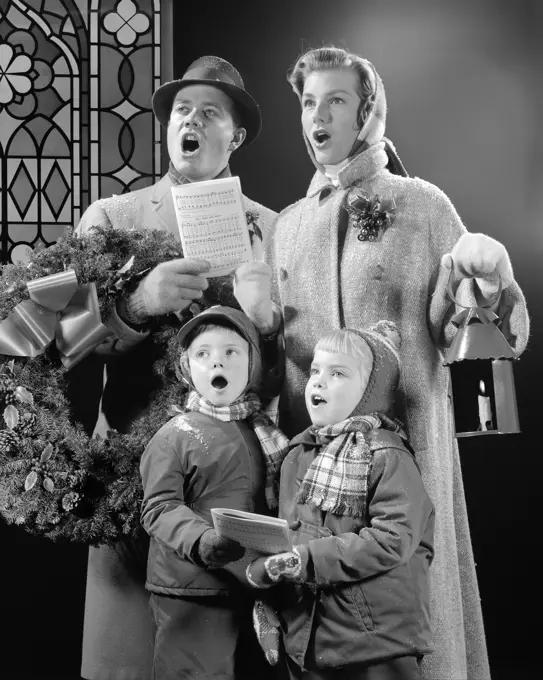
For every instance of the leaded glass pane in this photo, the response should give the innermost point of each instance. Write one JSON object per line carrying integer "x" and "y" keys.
{"x": 71, "y": 108}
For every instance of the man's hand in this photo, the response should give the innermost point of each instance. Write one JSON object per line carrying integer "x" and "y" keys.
{"x": 252, "y": 289}
{"x": 480, "y": 257}
{"x": 169, "y": 287}
{"x": 216, "y": 552}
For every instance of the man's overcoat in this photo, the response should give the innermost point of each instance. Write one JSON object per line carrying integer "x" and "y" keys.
{"x": 117, "y": 637}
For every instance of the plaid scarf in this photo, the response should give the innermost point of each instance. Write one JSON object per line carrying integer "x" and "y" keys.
{"x": 337, "y": 479}
{"x": 273, "y": 442}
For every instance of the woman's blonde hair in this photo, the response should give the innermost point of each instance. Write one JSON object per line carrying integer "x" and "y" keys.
{"x": 328, "y": 58}
{"x": 347, "y": 341}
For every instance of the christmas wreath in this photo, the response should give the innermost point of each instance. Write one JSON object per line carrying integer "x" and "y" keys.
{"x": 56, "y": 480}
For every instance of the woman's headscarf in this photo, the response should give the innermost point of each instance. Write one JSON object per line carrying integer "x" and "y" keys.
{"x": 373, "y": 130}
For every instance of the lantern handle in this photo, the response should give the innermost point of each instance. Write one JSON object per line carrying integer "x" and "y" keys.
{"x": 488, "y": 305}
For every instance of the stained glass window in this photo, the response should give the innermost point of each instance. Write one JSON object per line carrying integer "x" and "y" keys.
{"x": 76, "y": 79}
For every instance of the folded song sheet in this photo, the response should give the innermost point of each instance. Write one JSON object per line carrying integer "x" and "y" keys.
{"x": 267, "y": 535}
{"x": 212, "y": 223}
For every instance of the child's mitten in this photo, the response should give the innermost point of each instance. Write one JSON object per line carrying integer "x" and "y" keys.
{"x": 266, "y": 625}
{"x": 287, "y": 566}
{"x": 215, "y": 552}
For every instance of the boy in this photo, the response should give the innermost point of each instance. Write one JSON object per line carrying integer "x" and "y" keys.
{"x": 221, "y": 452}
{"x": 362, "y": 525}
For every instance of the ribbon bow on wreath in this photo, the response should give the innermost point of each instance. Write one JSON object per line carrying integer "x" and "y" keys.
{"x": 368, "y": 214}
{"x": 59, "y": 310}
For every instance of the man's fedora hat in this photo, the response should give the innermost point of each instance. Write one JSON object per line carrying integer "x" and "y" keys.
{"x": 218, "y": 73}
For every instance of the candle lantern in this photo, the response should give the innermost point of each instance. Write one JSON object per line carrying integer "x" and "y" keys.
{"x": 480, "y": 361}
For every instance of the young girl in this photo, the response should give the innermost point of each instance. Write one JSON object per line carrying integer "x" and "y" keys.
{"x": 362, "y": 524}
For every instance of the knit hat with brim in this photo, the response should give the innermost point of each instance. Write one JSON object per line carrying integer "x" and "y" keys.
{"x": 234, "y": 317}
{"x": 218, "y": 73}
{"x": 373, "y": 130}
{"x": 384, "y": 341}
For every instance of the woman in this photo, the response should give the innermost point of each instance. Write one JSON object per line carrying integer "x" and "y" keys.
{"x": 331, "y": 269}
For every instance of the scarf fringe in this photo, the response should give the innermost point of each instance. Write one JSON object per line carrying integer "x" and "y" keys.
{"x": 357, "y": 508}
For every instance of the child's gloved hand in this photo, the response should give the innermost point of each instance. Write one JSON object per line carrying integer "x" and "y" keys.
{"x": 265, "y": 571}
{"x": 266, "y": 625}
{"x": 252, "y": 289}
{"x": 480, "y": 257}
{"x": 216, "y": 552}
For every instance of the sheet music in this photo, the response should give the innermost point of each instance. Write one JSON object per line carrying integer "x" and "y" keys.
{"x": 212, "y": 224}
{"x": 267, "y": 535}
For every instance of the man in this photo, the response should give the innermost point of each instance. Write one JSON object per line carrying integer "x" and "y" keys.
{"x": 207, "y": 115}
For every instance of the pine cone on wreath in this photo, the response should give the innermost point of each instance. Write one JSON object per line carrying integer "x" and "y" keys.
{"x": 70, "y": 501}
{"x": 8, "y": 441}
{"x": 7, "y": 392}
{"x": 26, "y": 424}
{"x": 7, "y": 385}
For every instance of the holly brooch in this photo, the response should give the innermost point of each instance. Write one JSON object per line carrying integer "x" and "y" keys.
{"x": 252, "y": 222}
{"x": 370, "y": 215}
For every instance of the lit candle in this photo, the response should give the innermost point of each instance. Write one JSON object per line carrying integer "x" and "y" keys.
{"x": 485, "y": 412}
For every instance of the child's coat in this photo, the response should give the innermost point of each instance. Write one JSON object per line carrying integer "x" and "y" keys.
{"x": 195, "y": 463}
{"x": 368, "y": 597}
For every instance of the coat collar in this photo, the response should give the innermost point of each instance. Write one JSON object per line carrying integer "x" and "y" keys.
{"x": 363, "y": 166}
{"x": 307, "y": 438}
{"x": 162, "y": 203}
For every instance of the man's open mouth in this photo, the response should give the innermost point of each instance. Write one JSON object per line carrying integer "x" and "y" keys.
{"x": 190, "y": 144}
{"x": 219, "y": 382}
{"x": 321, "y": 137}
{"x": 317, "y": 400}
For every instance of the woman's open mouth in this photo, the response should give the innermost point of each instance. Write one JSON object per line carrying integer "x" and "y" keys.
{"x": 321, "y": 138}
{"x": 219, "y": 382}
{"x": 317, "y": 400}
{"x": 190, "y": 145}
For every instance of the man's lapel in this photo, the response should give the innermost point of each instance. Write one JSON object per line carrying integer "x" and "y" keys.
{"x": 162, "y": 202}
{"x": 162, "y": 206}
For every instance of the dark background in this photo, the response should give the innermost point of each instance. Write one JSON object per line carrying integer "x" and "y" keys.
{"x": 463, "y": 83}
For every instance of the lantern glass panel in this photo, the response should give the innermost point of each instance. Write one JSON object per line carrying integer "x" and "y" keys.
{"x": 473, "y": 397}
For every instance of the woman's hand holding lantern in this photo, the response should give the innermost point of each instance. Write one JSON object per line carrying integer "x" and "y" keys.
{"x": 483, "y": 258}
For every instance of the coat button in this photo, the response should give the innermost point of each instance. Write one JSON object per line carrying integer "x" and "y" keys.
{"x": 294, "y": 526}
{"x": 376, "y": 272}
{"x": 283, "y": 276}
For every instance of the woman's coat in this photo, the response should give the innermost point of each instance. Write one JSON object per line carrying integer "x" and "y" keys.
{"x": 326, "y": 278}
